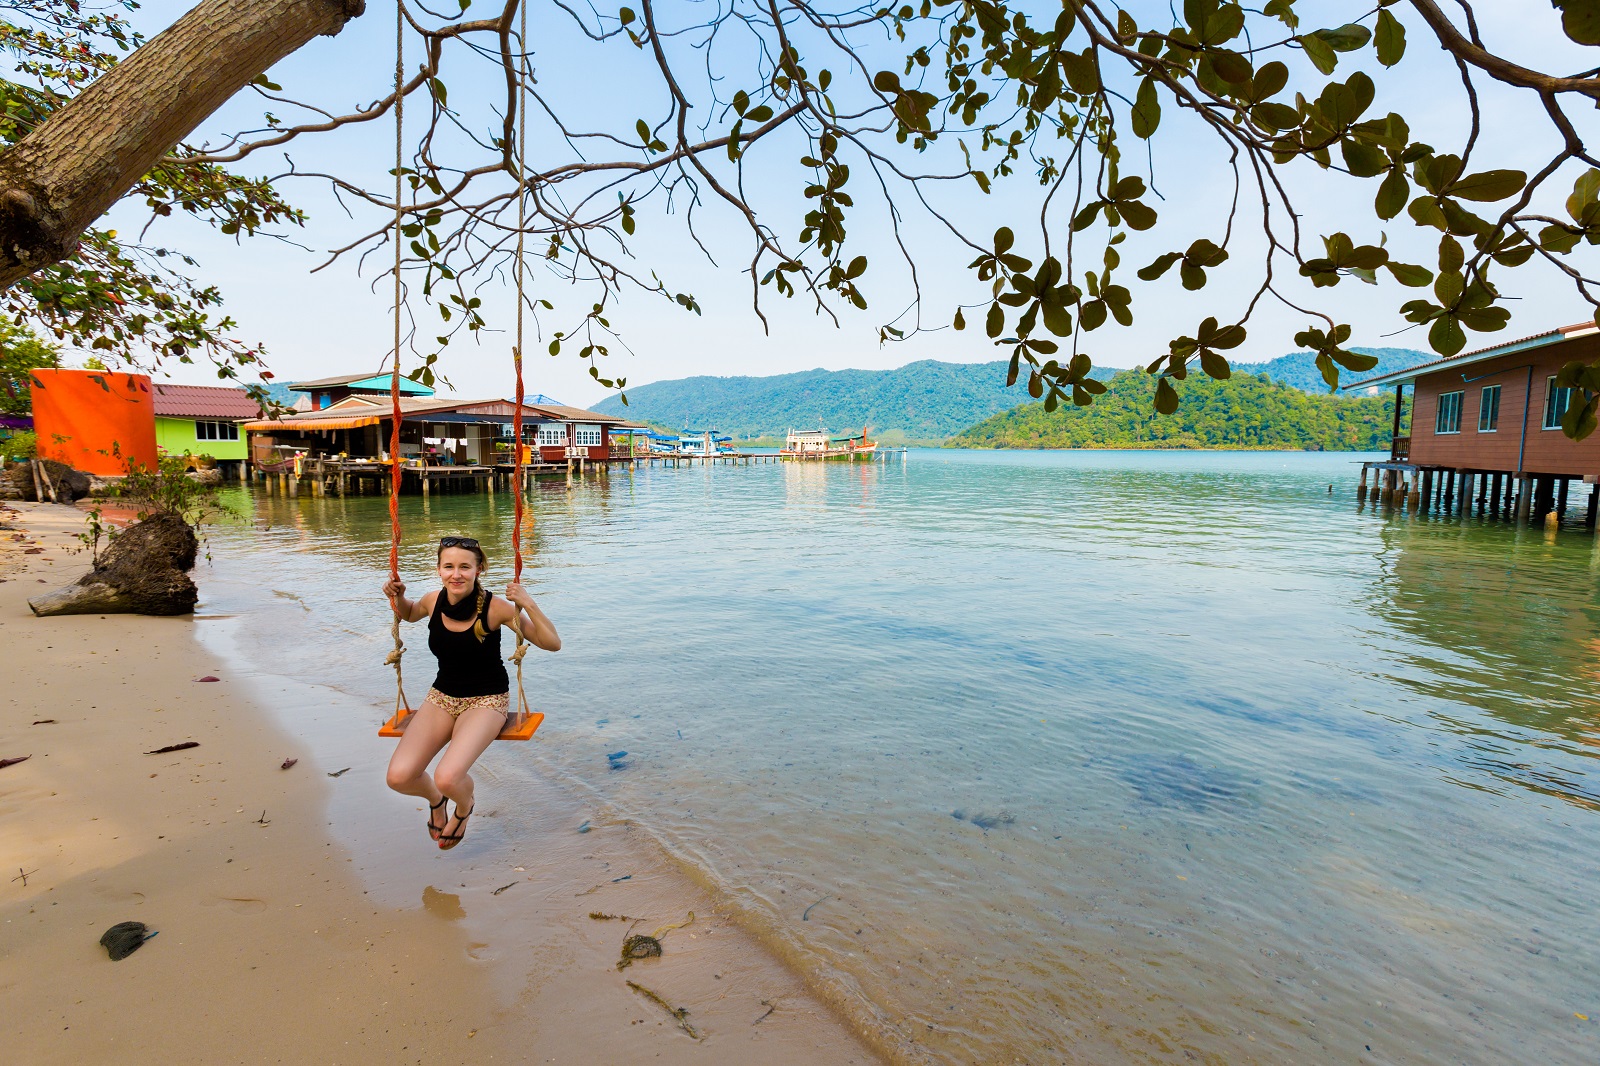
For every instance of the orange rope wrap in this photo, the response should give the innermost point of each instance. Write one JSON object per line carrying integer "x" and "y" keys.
{"x": 393, "y": 658}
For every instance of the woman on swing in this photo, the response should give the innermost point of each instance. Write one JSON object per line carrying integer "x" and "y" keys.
{"x": 470, "y": 699}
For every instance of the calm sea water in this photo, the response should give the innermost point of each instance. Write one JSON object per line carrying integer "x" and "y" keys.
{"x": 1058, "y": 757}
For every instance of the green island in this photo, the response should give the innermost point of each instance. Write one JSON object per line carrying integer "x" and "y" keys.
{"x": 1247, "y": 411}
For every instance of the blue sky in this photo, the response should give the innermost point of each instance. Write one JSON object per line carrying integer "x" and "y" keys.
{"x": 334, "y": 320}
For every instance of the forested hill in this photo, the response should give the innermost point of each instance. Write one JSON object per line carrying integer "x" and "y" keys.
{"x": 1300, "y": 369}
{"x": 925, "y": 401}
{"x": 1246, "y": 411}
{"x": 922, "y": 402}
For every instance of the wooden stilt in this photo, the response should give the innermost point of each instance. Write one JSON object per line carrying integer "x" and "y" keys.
{"x": 1524, "y": 497}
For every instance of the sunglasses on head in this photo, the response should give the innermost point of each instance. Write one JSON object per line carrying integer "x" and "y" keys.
{"x": 457, "y": 542}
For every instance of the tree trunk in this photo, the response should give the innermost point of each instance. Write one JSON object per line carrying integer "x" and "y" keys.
{"x": 93, "y": 598}
{"x": 58, "y": 179}
{"x": 145, "y": 571}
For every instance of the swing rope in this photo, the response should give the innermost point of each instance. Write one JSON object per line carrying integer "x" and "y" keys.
{"x": 522, "y": 726}
{"x": 516, "y": 359}
{"x": 399, "y": 651}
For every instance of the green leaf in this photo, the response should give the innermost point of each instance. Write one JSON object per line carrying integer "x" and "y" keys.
{"x": 1160, "y": 266}
{"x": 1275, "y": 117}
{"x": 1489, "y": 185}
{"x": 1558, "y": 239}
{"x": 1451, "y": 254}
{"x": 960, "y": 322}
{"x": 1346, "y": 38}
{"x": 1319, "y": 52}
{"x": 1392, "y": 194}
{"x": 995, "y": 324}
{"x": 626, "y": 15}
{"x": 1363, "y": 160}
{"x": 857, "y": 267}
{"x": 1137, "y": 215}
{"x": 1146, "y": 110}
{"x": 886, "y": 81}
{"x": 1389, "y": 39}
{"x": 1445, "y": 336}
{"x": 1584, "y": 193}
{"x": 1003, "y": 240}
{"x": 1166, "y": 397}
{"x": 741, "y": 102}
{"x": 1080, "y": 70}
{"x": 1407, "y": 274}
{"x": 1580, "y": 20}
{"x": 1057, "y": 319}
{"x": 1214, "y": 365}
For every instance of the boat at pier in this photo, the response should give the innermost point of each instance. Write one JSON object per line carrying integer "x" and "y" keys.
{"x": 816, "y": 444}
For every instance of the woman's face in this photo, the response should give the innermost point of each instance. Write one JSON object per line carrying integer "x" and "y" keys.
{"x": 458, "y": 569}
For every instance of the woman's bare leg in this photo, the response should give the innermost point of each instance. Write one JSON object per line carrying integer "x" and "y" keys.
{"x": 475, "y": 731}
{"x": 429, "y": 730}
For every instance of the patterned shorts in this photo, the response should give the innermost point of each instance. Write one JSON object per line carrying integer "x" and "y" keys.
{"x": 454, "y": 705}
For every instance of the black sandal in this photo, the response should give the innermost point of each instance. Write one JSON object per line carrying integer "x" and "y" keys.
{"x": 450, "y": 840}
{"x": 434, "y": 831}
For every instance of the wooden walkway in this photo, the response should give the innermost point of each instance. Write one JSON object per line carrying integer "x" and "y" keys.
{"x": 336, "y": 477}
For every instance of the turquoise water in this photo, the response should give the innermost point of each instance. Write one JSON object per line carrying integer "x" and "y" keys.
{"x": 1043, "y": 757}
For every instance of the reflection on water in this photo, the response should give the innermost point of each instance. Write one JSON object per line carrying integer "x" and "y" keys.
{"x": 1032, "y": 757}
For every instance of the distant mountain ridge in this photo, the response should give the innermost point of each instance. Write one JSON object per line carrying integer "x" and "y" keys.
{"x": 1300, "y": 369}
{"x": 923, "y": 402}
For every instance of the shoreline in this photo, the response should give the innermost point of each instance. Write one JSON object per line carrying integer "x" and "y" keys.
{"x": 302, "y": 914}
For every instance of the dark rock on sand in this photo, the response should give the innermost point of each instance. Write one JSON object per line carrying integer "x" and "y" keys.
{"x": 124, "y": 938}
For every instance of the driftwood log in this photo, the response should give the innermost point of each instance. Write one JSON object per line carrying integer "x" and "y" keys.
{"x": 145, "y": 571}
{"x": 45, "y": 481}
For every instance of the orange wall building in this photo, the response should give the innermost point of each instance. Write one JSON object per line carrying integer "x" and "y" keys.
{"x": 98, "y": 421}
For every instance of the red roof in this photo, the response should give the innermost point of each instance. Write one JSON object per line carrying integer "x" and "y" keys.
{"x": 203, "y": 401}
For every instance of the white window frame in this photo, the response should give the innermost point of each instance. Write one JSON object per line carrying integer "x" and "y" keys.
{"x": 587, "y": 436}
{"x": 1483, "y": 405}
{"x": 1449, "y": 403}
{"x": 215, "y": 429}
{"x": 552, "y": 435}
{"x": 1552, "y": 417}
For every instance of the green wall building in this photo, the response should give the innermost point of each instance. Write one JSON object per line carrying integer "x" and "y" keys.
{"x": 204, "y": 420}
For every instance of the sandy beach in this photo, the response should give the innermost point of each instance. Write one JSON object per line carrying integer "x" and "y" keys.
{"x": 302, "y": 913}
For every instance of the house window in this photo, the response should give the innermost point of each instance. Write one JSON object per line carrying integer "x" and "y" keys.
{"x": 209, "y": 430}
{"x": 1489, "y": 409}
{"x": 1555, "y": 403}
{"x": 1448, "y": 420}
{"x": 552, "y": 435}
{"x": 588, "y": 436}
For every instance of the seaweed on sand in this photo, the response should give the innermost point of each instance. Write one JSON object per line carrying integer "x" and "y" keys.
{"x": 639, "y": 946}
{"x": 679, "y": 1014}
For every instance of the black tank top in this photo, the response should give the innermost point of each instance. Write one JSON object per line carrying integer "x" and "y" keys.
{"x": 467, "y": 666}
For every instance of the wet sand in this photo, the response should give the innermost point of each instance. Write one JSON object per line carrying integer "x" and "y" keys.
{"x": 303, "y": 916}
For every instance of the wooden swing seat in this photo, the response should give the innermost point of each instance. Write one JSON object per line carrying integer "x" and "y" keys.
{"x": 518, "y": 726}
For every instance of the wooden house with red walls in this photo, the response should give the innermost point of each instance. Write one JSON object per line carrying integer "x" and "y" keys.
{"x": 1485, "y": 433}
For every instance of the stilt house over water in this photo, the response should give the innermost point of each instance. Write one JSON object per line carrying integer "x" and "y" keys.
{"x": 1486, "y": 432}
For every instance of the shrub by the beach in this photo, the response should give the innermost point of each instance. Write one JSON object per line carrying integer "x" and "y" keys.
{"x": 23, "y": 444}
{"x": 168, "y": 490}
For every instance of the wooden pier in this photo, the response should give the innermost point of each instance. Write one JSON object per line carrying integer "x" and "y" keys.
{"x": 344, "y": 477}
{"x": 1524, "y": 498}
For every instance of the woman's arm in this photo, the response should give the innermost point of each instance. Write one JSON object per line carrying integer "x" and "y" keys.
{"x": 537, "y": 628}
{"x": 408, "y": 610}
